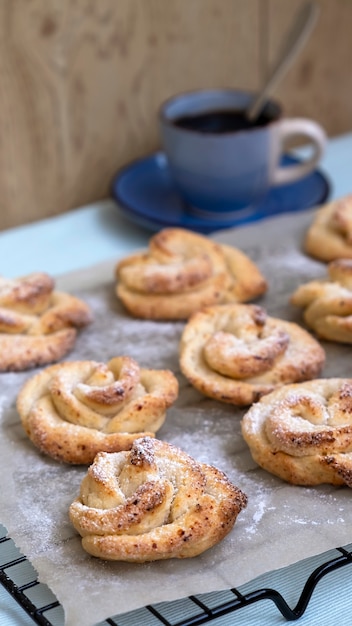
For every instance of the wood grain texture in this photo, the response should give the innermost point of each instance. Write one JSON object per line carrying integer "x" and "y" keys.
{"x": 319, "y": 84}
{"x": 82, "y": 81}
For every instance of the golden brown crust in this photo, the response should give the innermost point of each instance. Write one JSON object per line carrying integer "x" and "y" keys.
{"x": 153, "y": 502}
{"x": 327, "y": 303}
{"x": 37, "y": 324}
{"x": 72, "y": 410}
{"x": 235, "y": 353}
{"x": 329, "y": 237}
{"x": 182, "y": 272}
{"x": 302, "y": 433}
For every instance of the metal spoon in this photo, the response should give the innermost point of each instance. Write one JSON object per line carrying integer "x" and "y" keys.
{"x": 294, "y": 42}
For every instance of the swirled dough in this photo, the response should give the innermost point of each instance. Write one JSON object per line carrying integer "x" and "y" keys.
{"x": 303, "y": 432}
{"x": 329, "y": 237}
{"x": 183, "y": 271}
{"x": 38, "y": 325}
{"x": 235, "y": 353}
{"x": 327, "y": 304}
{"x": 73, "y": 410}
{"x": 153, "y": 502}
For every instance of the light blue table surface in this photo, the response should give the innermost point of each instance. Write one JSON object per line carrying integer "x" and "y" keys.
{"x": 99, "y": 232}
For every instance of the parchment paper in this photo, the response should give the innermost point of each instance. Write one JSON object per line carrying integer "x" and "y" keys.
{"x": 282, "y": 523}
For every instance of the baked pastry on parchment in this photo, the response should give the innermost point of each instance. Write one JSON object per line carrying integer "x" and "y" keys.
{"x": 236, "y": 353}
{"x": 329, "y": 237}
{"x": 327, "y": 303}
{"x": 38, "y": 325}
{"x": 153, "y": 502}
{"x": 183, "y": 271}
{"x": 303, "y": 432}
{"x": 73, "y": 410}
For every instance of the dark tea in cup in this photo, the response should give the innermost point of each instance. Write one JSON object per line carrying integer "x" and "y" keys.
{"x": 220, "y": 161}
{"x": 220, "y": 121}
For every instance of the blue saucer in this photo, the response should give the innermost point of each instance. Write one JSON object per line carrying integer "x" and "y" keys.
{"x": 146, "y": 194}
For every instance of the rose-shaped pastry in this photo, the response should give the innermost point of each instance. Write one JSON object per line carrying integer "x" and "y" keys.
{"x": 329, "y": 237}
{"x": 37, "y": 324}
{"x": 73, "y": 410}
{"x": 153, "y": 502}
{"x": 183, "y": 271}
{"x": 303, "y": 432}
{"x": 327, "y": 303}
{"x": 235, "y": 353}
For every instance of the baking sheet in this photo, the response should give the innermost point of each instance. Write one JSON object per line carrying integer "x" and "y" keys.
{"x": 36, "y": 491}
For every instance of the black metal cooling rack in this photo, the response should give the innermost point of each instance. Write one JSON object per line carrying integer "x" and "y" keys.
{"x": 19, "y": 578}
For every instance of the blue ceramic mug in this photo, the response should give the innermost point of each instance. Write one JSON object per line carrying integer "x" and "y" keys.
{"x": 221, "y": 163}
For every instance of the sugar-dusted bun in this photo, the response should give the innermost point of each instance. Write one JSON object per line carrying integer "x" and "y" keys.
{"x": 329, "y": 236}
{"x": 236, "y": 353}
{"x": 38, "y": 325}
{"x": 153, "y": 502}
{"x": 303, "y": 432}
{"x": 183, "y": 271}
{"x": 73, "y": 410}
{"x": 327, "y": 303}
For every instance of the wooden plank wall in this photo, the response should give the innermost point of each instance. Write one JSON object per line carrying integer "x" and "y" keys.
{"x": 81, "y": 82}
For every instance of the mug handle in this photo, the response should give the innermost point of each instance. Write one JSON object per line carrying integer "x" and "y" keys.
{"x": 294, "y": 127}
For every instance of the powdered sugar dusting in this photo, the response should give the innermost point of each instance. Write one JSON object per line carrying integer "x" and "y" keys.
{"x": 36, "y": 492}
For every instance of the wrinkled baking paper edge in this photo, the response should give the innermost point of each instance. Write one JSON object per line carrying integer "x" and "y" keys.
{"x": 281, "y": 525}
